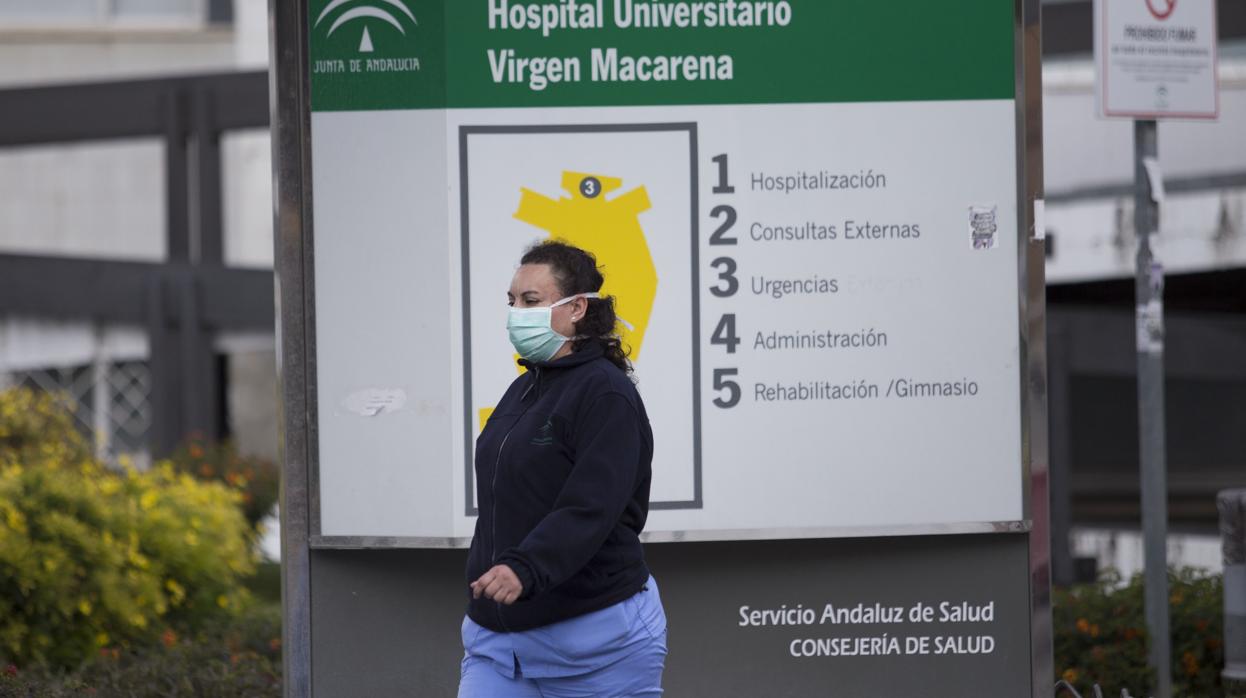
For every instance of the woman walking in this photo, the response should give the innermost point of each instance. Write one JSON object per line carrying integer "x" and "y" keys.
{"x": 561, "y": 601}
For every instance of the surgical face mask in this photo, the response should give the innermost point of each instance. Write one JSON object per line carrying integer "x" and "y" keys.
{"x": 532, "y": 333}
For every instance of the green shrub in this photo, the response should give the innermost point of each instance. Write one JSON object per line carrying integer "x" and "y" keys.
{"x": 227, "y": 658}
{"x": 93, "y": 558}
{"x": 35, "y": 426}
{"x": 1101, "y": 636}
{"x": 256, "y": 479}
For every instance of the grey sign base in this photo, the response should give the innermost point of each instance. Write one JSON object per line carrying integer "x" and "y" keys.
{"x": 387, "y": 621}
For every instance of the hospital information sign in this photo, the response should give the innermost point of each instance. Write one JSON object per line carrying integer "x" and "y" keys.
{"x": 816, "y": 219}
{"x": 807, "y": 212}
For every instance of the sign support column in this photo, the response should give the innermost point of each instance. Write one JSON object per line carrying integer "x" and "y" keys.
{"x": 1155, "y": 60}
{"x": 1151, "y": 441}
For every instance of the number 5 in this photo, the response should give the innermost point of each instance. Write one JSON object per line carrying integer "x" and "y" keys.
{"x": 722, "y": 383}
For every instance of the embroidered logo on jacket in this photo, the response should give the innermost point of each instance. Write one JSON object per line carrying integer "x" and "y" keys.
{"x": 545, "y": 435}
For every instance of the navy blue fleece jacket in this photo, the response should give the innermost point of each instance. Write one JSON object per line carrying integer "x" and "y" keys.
{"x": 562, "y": 488}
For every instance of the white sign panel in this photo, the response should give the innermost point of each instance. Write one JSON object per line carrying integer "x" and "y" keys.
{"x": 818, "y": 274}
{"x": 851, "y": 328}
{"x": 1157, "y": 58}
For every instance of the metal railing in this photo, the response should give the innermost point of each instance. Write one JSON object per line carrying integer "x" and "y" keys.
{"x": 183, "y": 301}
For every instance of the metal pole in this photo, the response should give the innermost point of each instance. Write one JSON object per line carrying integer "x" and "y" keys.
{"x": 1151, "y": 446}
{"x": 291, "y": 123}
{"x": 101, "y": 394}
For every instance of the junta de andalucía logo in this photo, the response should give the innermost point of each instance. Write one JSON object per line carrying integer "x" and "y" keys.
{"x": 394, "y": 25}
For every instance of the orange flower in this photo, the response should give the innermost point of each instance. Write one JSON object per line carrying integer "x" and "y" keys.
{"x": 1190, "y": 663}
{"x": 1083, "y": 625}
{"x": 1131, "y": 633}
{"x": 196, "y": 451}
{"x": 274, "y": 644}
{"x": 206, "y": 470}
{"x": 1069, "y": 675}
{"x": 1094, "y": 630}
{"x": 168, "y": 638}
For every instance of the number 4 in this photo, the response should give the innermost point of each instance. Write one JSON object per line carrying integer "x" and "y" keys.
{"x": 724, "y": 333}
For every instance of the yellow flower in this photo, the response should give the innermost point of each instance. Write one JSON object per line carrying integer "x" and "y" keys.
{"x": 177, "y": 591}
{"x": 137, "y": 559}
{"x": 222, "y": 601}
{"x": 84, "y": 606}
{"x": 148, "y": 500}
{"x": 101, "y": 639}
{"x": 15, "y": 520}
{"x": 1069, "y": 675}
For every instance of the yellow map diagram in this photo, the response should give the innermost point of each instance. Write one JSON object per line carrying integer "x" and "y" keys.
{"x": 610, "y": 229}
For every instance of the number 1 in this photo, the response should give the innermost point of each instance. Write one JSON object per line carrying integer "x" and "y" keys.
{"x": 722, "y": 187}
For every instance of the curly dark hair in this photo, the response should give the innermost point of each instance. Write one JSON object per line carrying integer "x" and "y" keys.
{"x": 575, "y": 271}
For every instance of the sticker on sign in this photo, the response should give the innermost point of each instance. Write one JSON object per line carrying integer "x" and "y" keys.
{"x": 1156, "y": 59}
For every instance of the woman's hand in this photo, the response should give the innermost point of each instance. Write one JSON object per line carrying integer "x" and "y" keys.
{"x": 499, "y": 584}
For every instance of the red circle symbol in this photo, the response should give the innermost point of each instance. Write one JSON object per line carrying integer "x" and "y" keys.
{"x": 1169, "y": 6}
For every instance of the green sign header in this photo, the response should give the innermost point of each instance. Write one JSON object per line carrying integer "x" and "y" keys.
{"x": 421, "y": 54}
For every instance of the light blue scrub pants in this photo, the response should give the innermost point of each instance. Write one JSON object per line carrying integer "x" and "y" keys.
{"x": 617, "y": 651}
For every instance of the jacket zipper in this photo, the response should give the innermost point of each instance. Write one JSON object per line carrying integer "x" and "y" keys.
{"x": 493, "y": 482}
{"x": 493, "y": 523}
{"x": 493, "y": 502}
{"x": 493, "y": 492}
